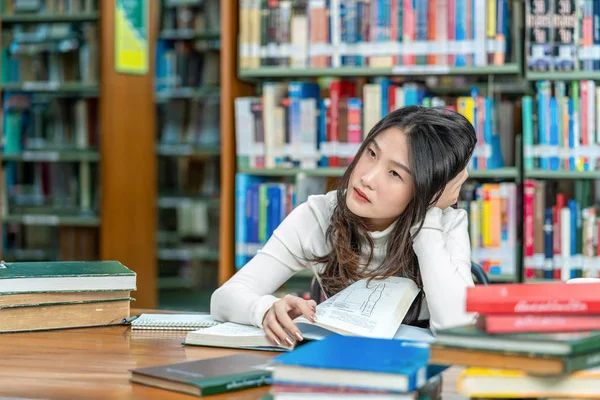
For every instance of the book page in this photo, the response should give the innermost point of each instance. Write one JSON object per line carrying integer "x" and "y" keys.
{"x": 374, "y": 309}
{"x": 233, "y": 329}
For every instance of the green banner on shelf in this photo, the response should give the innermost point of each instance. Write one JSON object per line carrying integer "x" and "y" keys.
{"x": 131, "y": 36}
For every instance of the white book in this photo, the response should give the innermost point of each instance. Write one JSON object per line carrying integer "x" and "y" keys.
{"x": 369, "y": 309}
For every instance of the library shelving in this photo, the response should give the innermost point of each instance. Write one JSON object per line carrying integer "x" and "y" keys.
{"x": 188, "y": 148}
{"x": 267, "y": 57}
{"x": 51, "y": 130}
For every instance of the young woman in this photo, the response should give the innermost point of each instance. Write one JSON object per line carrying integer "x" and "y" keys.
{"x": 391, "y": 215}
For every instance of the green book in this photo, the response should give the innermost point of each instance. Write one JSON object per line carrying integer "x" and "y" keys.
{"x": 206, "y": 377}
{"x": 555, "y": 344}
{"x": 65, "y": 276}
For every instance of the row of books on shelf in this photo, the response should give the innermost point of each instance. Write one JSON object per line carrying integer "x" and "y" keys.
{"x": 185, "y": 65}
{"x": 51, "y": 54}
{"x": 10, "y": 7}
{"x": 44, "y": 243}
{"x": 294, "y": 125}
{"x": 563, "y": 35}
{"x": 492, "y": 209}
{"x": 189, "y": 176}
{"x": 560, "y": 126}
{"x": 377, "y": 33}
{"x": 34, "y": 122}
{"x": 64, "y": 188}
{"x": 195, "y": 122}
{"x": 203, "y": 16}
{"x": 261, "y": 205}
{"x": 560, "y": 230}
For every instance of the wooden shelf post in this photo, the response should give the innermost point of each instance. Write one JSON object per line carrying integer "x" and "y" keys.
{"x": 231, "y": 87}
{"x": 128, "y": 165}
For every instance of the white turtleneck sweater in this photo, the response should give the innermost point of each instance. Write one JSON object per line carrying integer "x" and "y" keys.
{"x": 442, "y": 247}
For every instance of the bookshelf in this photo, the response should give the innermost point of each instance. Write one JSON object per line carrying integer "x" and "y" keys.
{"x": 188, "y": 146}
{"x": 506, "y": 80}
{"x": 51, "y": 131}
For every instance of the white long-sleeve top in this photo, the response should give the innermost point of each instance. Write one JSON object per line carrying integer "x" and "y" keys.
{"x": 442, "y": 247}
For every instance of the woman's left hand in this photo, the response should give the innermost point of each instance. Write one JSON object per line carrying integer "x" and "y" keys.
{"x": 452, "y": 190}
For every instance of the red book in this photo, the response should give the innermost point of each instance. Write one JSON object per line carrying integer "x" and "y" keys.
{"x": 529, "y": 228}
{"x": 339, "y": 91}
{"x": 542, "y": 298}
{"x": 515, "y": 323}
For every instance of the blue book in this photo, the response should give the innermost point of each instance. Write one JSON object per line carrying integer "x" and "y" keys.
{"x": 372, "y": 364}
{"x": 575, "y": 268}
{"x": 542, "y": 115}
{"x": 571, "y": 107}
{"x": 385, "y": 101}
{"x": 554, "y": 160}
{"x": 460, "y": 33}
{"x": 323, "y": 104}
{"x": 548, "y": 244}
{"x": 596, "y": 32}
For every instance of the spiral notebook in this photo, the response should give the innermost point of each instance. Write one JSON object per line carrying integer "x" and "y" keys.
{"x": 175, "y": 322}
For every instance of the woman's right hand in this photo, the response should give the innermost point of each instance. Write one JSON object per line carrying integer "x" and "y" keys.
{"x": 277, "y": 322}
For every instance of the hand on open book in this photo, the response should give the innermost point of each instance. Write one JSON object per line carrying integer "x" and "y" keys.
{"x": 277, "y": 322}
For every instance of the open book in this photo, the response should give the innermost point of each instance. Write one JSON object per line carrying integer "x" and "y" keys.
{"x": 370, "y": 309}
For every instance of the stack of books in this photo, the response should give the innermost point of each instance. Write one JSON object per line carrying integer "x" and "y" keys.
{"x": 56, "y": 295}
{"x": 534, "y": 340}
{"x": 354, "y": 367}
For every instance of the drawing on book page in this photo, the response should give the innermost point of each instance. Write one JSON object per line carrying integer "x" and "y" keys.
{"x": 361, "y": 299}
{"x": 365, "y": 308}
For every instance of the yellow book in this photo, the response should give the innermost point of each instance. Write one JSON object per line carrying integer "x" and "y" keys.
{"x": 496, "y": 383}
{"x": 486, "y": 216}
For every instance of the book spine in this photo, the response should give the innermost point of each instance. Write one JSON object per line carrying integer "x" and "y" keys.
{"x": 235, "y": 382}
{"x": 529, "y": 228}
{"x": 509, "y": 324}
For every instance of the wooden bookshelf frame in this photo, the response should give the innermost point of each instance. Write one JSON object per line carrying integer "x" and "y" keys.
{"x": 128, "y": 166}
{"x": 231, "y": 87}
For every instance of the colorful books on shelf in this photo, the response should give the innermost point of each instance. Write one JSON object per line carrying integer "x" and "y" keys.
{"x": 560, "y": 230}
{"x": 296, "y": 124}
{"x": 564, "y": 136}
{"x": 381, "y": 33}
{"x": 562, "y": 35}
{"x": 493, "y": 222}
{"x": 57, "y": 295}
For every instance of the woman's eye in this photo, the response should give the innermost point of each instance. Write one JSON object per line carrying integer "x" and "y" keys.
{"x": 371, "y": 153}
{"x": 395, "y": 174}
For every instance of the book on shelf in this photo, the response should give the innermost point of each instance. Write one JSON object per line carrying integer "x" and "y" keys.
{"x": 562, "y": 35}
{"x": 296, "y": 124}
{"x": 379, "y": 34}
{"x": 369, "y": 309}
{"x": 564, "y": 135}
{"x": 193, "y": 17}
{"x": 560, "y": 230}
{"x": 51, "y": 54}
{"x": 493, "y": 220}
{"x": 209, "y": 376}
{"x": 52, "y": 7}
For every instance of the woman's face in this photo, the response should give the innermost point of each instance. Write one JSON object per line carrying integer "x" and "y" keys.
{"x": 381, "y": 184}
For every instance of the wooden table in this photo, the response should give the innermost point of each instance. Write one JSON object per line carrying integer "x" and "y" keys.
{"x": 94, "y": 363}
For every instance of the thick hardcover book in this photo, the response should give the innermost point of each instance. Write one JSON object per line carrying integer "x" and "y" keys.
{"x": 543, "y": 298}
{"x": 557, "y": 344}
{"x": 206, "y": 377}
{"x": 65, "y": 276}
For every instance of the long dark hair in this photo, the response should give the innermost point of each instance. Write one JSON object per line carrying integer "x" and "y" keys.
{"x": 441, "y": 143}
